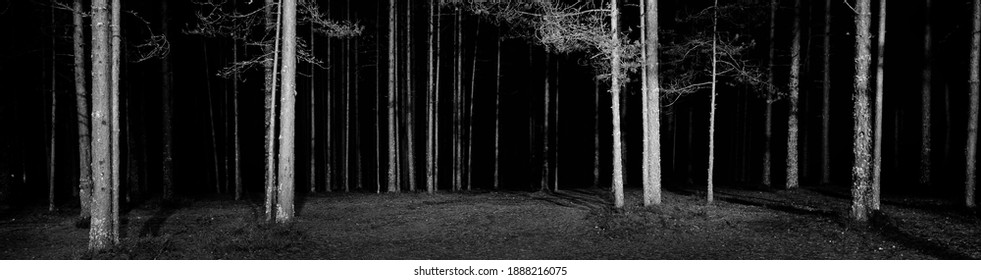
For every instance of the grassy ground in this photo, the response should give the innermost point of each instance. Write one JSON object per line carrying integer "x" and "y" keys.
{"x": 577, "y": 224}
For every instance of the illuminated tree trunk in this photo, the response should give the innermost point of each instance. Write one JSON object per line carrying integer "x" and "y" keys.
{"x": 313, "y": 118}
{"x": 926, "y": 142}
{"x": 792, "y": 129}
{"x": 54, "y": 120}
{"x": 100, "y": 233}
{"x": 392, "y": 152}
{"x": 972, "y": 127}
{"x": 879, "y": 76}
{"x": 768, "y": 113}
{"x": 826, "y": 99}
{"x": 615, "y": 77}
{"x": 114, "y": 120}
{"x": 497, "y": 119}
{"x": 271, "y": 185}
{"x": 82, "y": 105}
{"x": 284, "y": 208}
{"x": 651, "y": 108}
{"x": 861, "y": 209}
{"x": 545, "y": 121}
{"x": 711, "y": 152}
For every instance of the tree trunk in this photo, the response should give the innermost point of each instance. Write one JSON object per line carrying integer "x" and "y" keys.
{"x": 596, "y": 133}
{"x": 114, "y": 119}
{"x": 972, "y": 123}
{"x": 555, "y": 159}
{"x": 82, "y": 105}
{"x": 329, "y": 120}
{"x": 879, "y": 75}
{"x": 826, "y": 99}
{"x": 235, "y": 136}
{"x": 651, "y": 108}
{"x": 346, "y": 135}
{"x": 768, "y": 112}
{"x": 861, "y": 194}
{"x": 545, "y": 120}
{"x": 271, "y": 83}
{"x": 497, "y": 118}
{"x": 100, "y": 233}
{"x": 54, "y": 116}
{"x": 284, "y": 208}
{"x": 436, "y": 100}
{"x": 458, "y": 102}
{"x": 473, "y": 88}
{"x": 392, "y": 154}
{"x": 615, "y": 77}
{"x": 711, "y": 152}
{"x": 167, "y": 101}
{"x": 313, "y": 117}
{"x": 792, "y": 129}
{"x": 430, "y": 87}
{"x": 925, "y": 143}
{"x": 410, "y": 95}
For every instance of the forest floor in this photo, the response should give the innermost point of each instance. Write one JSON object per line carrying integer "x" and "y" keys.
{"x": 573, "y": 224}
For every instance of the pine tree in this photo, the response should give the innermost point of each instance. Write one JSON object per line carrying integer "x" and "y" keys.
{"x": 651, "y": 106}
{"x": 287, "y": 158}
{"x": 861, "y": 209}
{"x": 615, "y": 77}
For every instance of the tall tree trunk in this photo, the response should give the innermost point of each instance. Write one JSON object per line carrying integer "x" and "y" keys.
{"x": 271, "y": 82}
{"x": 430, "y": 88}
{"x": 926, "y": 142}
{"x": 100, "y": 233}
{"x": 555, "y": 159}
{"x": 410, "y": 111}
{"x": 596, "y": 132}
{"x": 545, "y": 120}
{"x": 861, "y": 193}
{"x": 54, "y": 116}
{"x": 972, "y": 123}
{"x": 284, "y": 209}
{"x": 768, "y": 112}
{"x": 826, "y": 99}
{"x": 357, "y": 117}
{"x": 792, "y": 129}
{"x": 458, "y": 102}
{"x": 346, "y": 135}
{"x": 114, "y": 111}
{"x": 651, "y": 108}
{"x": 615, "y": 77}
{"x": 392, "y": 154}
{"x": 167, "y": 101}
{"x": 473, "y": 89}
{"x": 879, "y": 82}
{"x": 82, "y": 105}
{"x": 497, "y": 118}
{"x": 711, "y": 142}
{"x": 436, "y": 100}
{"x": 329, "y": 154}
{"x": 313, "y": 116}
{"x": 237, "y": 148}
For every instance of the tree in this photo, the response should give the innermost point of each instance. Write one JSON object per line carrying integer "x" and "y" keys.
{"x": 54, "y": 120}
{"x": 167, "y": 101}
{"x": 792, "y": 129}
{"x": 284, "y": 208}
{"x": 100, "y": 234}
{"x": 497, "y": 118}
{"x": 615, "y": 77}
{"x": 926, "y": 143}
{"x": 270, "y": 161}
{"x": 861, "y": 209}
{"x": 392, "y": 154}
{"x": 715, "y": 72}
{"x": 972, "y": 127}
{"x": 768, "y": 113}
{"x": 826, "y": 98}
{"x": 879, "y": 76}
{"x": 430, "y": 96}
{"x": 651, "y": 107}
{"x": 114, "y": 118}
{"x": 82, "y": 109}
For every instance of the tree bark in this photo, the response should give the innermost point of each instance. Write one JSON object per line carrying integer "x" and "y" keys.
{"x": 879, "y": 76}
{"x": 545, "y": 121}
{"x": 792, "y": 129}
{"x": 392, "y": 154}
{"x": 615, "y": 98}
{"x": 410, "y": 111}
{"x": 926, "y": 142}
{"x": 768, "y": 112}
{"x": 284, "y": 208}
{"x": 497, "y": 118}
{"x": 596, "y": 133}
{"x": 271, "y": 179}
{"x": 651, "y": 108}
{"x": 100, "y": 233}
{"x": 313, "y": 116}
{"x": 972, "y": 127}
{"x": 52, "y": 133}
{"x": 167, "y": 152}
{"x": 826, "y": 99}
{"x": 82, "y": 112}
{"x": 861, "y": 209}
{"x": 114, "y": 119}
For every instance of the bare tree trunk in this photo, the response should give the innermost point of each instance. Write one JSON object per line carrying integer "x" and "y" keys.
{"x": 410, "y": 95}
{"x": 284, "y": 208}
{"x": 82, "y": 105}
{"x": 167, "y": 152}
{"x": 473, "y": 88}
{"x": 458, "y": 102}
{"x": 615, "y": 77}
{"x": 346, "y": 135}
{"x": 972, "y": 123}
{"x": 826, "y": 99}
{"x": 329, "y": 121}
{"x": 555, "y": 172}
{"x": 711, "y": 152}
{"x": 271, "y": 180}
{"x": 792, "y": 129}
{"x": 596, "y": 133}
{"x": 54, "y": 116}
{"x": 768, "y": 113}
{"x": 545, "y": 121}
{"x": 926, "y": 142}
{"x": 879, "y": 75}
{"x": 392, "y": 154}
{"x": 436, "y": 101}
{"x": 861, "y": 194}
{"x": 100, "y": 233}
{"x": 651, "y": 108}
{"x": 235, "y": 136}
{"x": 114, "y": 120}
{"x": 430, "y": 88}
{"x": 497, "y": 118}
{"x": 313, "y": 116}
{"x": 357, "y": 119}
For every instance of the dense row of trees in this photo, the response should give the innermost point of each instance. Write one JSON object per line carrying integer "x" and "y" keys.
{"x": 424, "y": 110}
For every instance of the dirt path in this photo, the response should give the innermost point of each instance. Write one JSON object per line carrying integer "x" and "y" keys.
{"x": 574, "y": 224}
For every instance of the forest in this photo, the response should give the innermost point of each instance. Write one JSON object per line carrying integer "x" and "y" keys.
{"x": 439, "y": 129}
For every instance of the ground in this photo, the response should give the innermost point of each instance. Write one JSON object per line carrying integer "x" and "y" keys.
{"x": 575, "y": 224}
